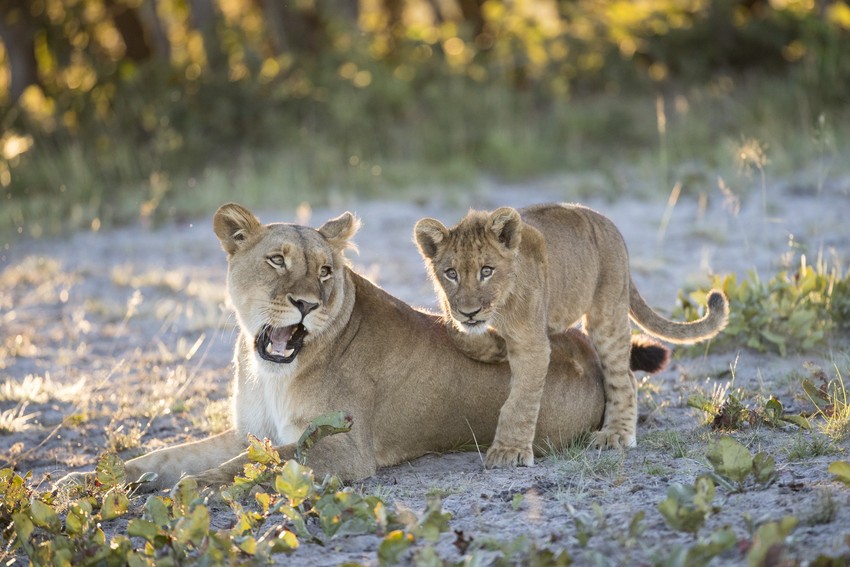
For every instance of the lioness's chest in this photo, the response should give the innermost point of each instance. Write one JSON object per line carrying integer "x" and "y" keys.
{"x": 264, "y": 407}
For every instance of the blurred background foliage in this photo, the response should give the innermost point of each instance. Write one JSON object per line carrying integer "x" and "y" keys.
{"x": 114, "y": 110}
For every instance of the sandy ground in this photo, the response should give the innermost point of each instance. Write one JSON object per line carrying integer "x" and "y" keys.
{"x": 127, "y": 332}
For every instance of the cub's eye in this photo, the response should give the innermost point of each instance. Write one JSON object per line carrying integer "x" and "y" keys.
{"x": 486, "y": 272}
{"x": 325, "y": 273}
{"x": 276, "y": 260}
{"x": 451, "y": 274}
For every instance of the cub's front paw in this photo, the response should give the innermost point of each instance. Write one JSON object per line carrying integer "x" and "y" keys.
{"x": 500, "y": 455}
{"x": 608, "y": 438}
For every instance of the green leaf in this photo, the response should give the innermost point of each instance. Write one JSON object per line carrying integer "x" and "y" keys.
{"x": 841, "y": 470}
{"x": 156, "y": 510}
{"x": 24, "y": 529}
{"x": 115, "y": 504}
{"x": 184, "y": 493}
{"x": 322, "y": 426}
{"x": 768, "y": 535}
{"x": 686, "y": 507}
{"x": 295, "y": 481}
{"x": 516, "y": 501}
{"x": 393, "y": 546}
{"x": 764, "y": 468}
{"x": 262, "y": 452}
{"x": 144, "y": 529}
{"x": 264, "y": 500}
{"x": 285, "y": 542}
{"x": 798, "y": 420}
{"x": 295, "y": 517}
{"x": 730, "y": 459}
{"x": 434, "y": 522}
{"x": 44, "y": 516}
{"x": 109, "y": 471}
{"x": 700, "y": 402}
{"x": 194, "y": 527}
{"x": 816, "y": 394}
{"x": 78, "y": 517}
{"x": 145, "y": 478}
{"x": 248, "y": 545}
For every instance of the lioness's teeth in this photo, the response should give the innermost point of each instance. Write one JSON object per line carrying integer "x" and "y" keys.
{"x": 288, "y": 352}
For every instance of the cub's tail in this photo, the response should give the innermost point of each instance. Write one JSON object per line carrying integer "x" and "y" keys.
{"x": 648, "y": 355}
{"x": 680, "y": 333}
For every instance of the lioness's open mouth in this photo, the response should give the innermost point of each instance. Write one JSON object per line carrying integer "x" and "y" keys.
{"x": 280, "y": 344}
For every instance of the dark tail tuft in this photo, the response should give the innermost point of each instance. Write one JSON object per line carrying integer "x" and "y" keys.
{"x": 648, "y": 355}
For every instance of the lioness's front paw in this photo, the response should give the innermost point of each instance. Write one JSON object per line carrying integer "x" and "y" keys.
{"x": 607, "y": 438}
{"x": 500, "y": 455}
{"x": 74, "y": 479}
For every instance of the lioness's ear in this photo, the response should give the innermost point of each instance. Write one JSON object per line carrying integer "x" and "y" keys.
{"x": 506, "y": 224}
{"x": 429, "y": 233}
{"x": 232, "y": 224}
{"x": 339, "y": 231}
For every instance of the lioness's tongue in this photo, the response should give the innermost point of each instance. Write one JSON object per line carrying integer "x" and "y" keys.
{"x": 279, "y": 337}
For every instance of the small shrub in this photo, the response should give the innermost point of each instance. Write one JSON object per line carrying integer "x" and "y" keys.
{"x": 792, "y": 311}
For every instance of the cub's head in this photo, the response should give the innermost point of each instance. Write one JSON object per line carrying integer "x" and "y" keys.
{"x": 472, "y": 264}
{"x": 286, "y": 282}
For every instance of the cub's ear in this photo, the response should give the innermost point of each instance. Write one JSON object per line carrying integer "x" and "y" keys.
{"x": 233, "y": 224}
{"x": 429, "y": 234}
{"x": 506, "y": 224}
{"x": 339, "y": 231}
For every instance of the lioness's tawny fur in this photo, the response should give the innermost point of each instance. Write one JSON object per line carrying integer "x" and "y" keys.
{"x": 508, "y": 280}
{"x": 315, "y": 337}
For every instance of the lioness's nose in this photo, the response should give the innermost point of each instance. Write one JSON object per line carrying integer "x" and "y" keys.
{"x": 470, "y": 314}
{"x": 303, "y": 306}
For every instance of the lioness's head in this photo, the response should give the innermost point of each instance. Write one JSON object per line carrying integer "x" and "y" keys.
{"x": 285, "y": 281}
{"x": 473, "y": 263}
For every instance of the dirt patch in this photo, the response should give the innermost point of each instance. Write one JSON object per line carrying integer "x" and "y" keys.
{"x": 123, "y": 339}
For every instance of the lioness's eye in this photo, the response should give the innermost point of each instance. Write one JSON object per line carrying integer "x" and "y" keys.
{"x": 325, "y": 272}
{"x": 486, "y": 272}
{"x": 276, "y": 260}
{"x": 451, "y": 273}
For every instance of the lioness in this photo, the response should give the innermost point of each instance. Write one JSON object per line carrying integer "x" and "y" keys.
{"x": 316, "y": 337}
{"x": 508, "y": 280}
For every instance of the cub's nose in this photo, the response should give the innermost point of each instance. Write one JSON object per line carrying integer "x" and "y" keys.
{"x": 470, "y": 314}
{"x": 303, "y": 306}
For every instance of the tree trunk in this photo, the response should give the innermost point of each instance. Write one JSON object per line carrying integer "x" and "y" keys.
{"x": 203, "y": 19}
{"x": 157, "y": 39}
{"x": 130, "y": 27}
{"x": 471, "y": 10}
{"x": 17, "y": 34}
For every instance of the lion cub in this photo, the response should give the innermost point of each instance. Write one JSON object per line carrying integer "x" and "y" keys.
{"x": 508, "y": 279}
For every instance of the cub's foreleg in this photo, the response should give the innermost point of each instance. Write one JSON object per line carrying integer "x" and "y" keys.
{"x": 513, "y": 443}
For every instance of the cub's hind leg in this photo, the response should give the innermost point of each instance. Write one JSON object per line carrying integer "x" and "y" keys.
{"x": 611, "y": 336}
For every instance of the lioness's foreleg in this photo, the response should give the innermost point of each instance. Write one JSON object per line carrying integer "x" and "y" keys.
{"x": 342, "y": 454}
{"x": 611, "y": 336}
{"x": 512, "y": 444}
{"x": 172, "y": 463}
{"x": 484, "y": 347}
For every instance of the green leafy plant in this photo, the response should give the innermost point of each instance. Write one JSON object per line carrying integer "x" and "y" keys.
{"x": 792, "y": 311}
{"x": 704, "y": 550}
{"x": 829, "y": 397}
{"x": 733, "y": 465}
{"x": 687, "y": 506}
{"x": 732, "y": 413}
{"x": 770, "y": 539}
